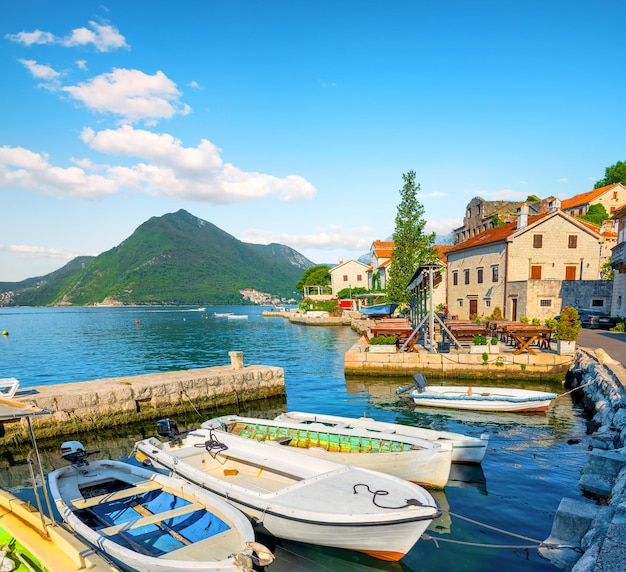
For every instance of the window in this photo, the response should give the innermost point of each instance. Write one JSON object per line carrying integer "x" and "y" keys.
{"x": 535, "y": 272}
{"x": 488, "y": 303}
{"x": 455, "y": 278}
{"x": 570, "y": 272}
{"x": 612, "y": 210}
{"x": 495, "y": 273}
{"x": 597, "y": 303}
{"x": 479, "y": 276}
{"x": 614, "y": 195}
{"x": 345, "y": 277}
{"x": 466, "y": 274}
{"x": 359, "y": 278}
{"x": 572, "y": 241}
{"x": 537, "y": 240}
{"x": 545, "y": 303}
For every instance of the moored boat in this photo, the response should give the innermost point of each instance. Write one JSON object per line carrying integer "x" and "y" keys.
{"x": 478, "y": 398}
{"x": 412, "y": 458}
{"x": 151, "y": 522}
{"x": 465, "y": 449}
{"x": 379, "y": 310}
{"x": 310, "y": 500}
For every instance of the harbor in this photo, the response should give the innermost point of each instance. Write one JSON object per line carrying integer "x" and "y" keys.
{"x": 533, "y": 461}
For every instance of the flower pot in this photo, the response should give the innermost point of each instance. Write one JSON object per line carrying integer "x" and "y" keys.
{"x": 479, "y": 349}
{"x": 494, "y": 349}
{"x": 383, "y": 349}
{"x": 566, "y": 348}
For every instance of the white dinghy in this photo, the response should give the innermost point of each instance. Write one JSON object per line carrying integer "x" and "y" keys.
{"x": 479, "y": 398}
{"x": 151, "y": 522}
{"x": 415, "y": 459}
{"x": 465, "y": 449}
{"x": 310, "y": 500}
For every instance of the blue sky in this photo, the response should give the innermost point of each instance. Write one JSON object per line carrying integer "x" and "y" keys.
{"x": 293, "y": 122}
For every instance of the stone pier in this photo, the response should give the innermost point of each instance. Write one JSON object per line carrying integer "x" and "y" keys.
{"x": 110, "y": 402}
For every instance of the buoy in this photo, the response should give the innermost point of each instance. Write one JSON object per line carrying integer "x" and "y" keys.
{"x": 5, "y": 333}
{"x": 136, "y": 322}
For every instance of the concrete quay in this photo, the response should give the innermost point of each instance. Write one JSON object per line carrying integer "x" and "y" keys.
{"x": 586, "y": 536}
{"x": 104, "y": 403}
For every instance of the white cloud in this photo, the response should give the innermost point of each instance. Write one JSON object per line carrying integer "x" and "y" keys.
{"x": 443, "y": 227}
{"x": 504, "y": 195}
{"x": 24, "y": 169}
{"x": 130, "y": 93}
{"x": 81, "y": 64}
{"x": 194, "y": 84}
{"x": 563, "y": 180}
{"x": 191, "y": 173}
{"x": 40, "y": 252}
{"x": 104, "y": 37}
{"x": 40, "y": 71}
{"x": 329, "y": 239}
{"x": 30, "y": 38}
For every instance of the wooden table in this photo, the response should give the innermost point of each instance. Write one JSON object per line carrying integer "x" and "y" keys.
{"x": 527, "y": 335}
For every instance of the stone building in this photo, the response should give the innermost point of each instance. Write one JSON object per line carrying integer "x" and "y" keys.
{"x": 349, "y": 274}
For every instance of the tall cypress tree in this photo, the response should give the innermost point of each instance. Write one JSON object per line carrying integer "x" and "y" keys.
{"x": 412, "y": 246}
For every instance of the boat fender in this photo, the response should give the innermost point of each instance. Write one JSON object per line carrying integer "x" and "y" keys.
{"x": 6, "y": 564}
{"x": 262, "y": 556}
{"x": 469, "y": 391}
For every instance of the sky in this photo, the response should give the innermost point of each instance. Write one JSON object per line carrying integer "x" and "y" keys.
{"x": 293, "y": 122}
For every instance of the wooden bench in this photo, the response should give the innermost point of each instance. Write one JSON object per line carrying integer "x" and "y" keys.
{"x": 140, "y": 488}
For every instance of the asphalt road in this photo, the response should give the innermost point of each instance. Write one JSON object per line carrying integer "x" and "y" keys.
{"x": 613, "y": 343}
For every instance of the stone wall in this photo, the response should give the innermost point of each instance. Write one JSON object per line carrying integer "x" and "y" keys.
{"x": 90, "y": 405}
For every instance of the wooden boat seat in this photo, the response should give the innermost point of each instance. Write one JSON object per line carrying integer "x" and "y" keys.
{"x": 152, "y": 519}
{"x": 220, "y": 546}
{"x": 139, "y": 488}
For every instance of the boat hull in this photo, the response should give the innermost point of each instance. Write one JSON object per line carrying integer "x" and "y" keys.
{"x": 417, "y": 460}
{"x": 200, "y": 534}
{"x": 315, "y": 501}
{"x": 465, "y": 449}
{"x": 483, "y": 398}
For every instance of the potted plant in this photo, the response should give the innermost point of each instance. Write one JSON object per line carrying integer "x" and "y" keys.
{"x": 480, "y": 345}
{"x": 493, "y": 346}
{"x": 567, "y": 331}
{"x": 383, "y": 344}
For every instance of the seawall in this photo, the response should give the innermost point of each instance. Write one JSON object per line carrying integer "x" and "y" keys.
{"x": 116, "y": 401}
{"x": 591, "y": 536}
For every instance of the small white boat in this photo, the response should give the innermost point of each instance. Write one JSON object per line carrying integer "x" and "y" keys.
{"x": 465, "y": 449}
{"x": 151, "y": 522}
{"x": 412, "y": 458}
{"x": 478, "y": 398}
{"x": 310, "y": 500}
{"x": 237, "y": 316}
{"x": 222, "y": 314}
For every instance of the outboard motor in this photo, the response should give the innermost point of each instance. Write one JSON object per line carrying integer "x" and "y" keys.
{"x": 74, "y": 452}
{"x": 168, "y": 429}
{"x": 420, "y": 382}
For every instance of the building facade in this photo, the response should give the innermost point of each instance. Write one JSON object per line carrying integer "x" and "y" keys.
{"x": 349, "y": 274}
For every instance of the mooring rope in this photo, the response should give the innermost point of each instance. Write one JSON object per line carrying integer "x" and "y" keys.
{"x": 409, "y": 502}
{"x": 213, "y": 445}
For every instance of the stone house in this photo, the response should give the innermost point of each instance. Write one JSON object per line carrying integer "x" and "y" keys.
{"x": 380, "y": 259}
{"x": 531, "y": 267}
{"x": 618, "y": 262}
{"x": 349, "y": 274}
{"x": 612, "y": 197}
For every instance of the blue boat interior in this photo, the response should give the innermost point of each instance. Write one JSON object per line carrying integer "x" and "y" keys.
{"x": 156, "y": 539}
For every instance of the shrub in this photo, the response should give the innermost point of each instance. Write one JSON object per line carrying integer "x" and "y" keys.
{"x": 550, "y": 323}
{"x": 480, "y": 340}
{"x": 524, "y": 320}
{"x": 383, "y": 341}
{"x": 536, "y": 322}
{"x": 494, "y": 341}
{"x": 497, "y": 313}
{"x": 569, "y": 326}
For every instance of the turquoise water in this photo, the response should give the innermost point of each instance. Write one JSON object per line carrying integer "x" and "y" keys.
{"x": 528, "y": 469}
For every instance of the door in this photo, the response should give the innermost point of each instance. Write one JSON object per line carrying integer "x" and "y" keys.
{"x": 514, "y": 309}
{"x": 473, "y": 308}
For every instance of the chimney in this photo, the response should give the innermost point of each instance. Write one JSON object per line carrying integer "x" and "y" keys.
{"x": 522, "y": 216}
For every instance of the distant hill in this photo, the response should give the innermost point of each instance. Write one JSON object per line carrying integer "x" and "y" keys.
{"x": 173, "y": 259}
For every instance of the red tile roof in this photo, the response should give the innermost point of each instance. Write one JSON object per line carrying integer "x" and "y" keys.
{"x": 383, "y": 248}
{"x": 585, "y": 198}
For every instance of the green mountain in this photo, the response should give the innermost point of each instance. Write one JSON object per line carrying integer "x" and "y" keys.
{"x": 174, "y": 259}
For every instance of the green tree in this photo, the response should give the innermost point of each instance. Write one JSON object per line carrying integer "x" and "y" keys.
{"x": 595, "y": 215}
{"x": 412, "y": 246}
{"x": 315, "y": 276}
{"x": 613, "y": 174}
{"x": 607, "y": 272}
{"x": 532, "y": 199}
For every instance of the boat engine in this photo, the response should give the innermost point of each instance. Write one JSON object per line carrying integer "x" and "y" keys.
{"x": 168, "y": 429}
{"x": 74, "y": 452}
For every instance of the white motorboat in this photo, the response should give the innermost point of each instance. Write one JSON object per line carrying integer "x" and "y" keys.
{"x": 151, "y": 522}
{"x": 310, "y": 500}
{"x": 412, "y": 458}
{"x": 478, "y": 398}
{"x": 465, "y": 449}
{"x": 237, "y": 316}
{"x": 222, "y": 314}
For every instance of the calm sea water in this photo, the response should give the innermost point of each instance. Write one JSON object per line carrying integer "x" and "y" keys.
{"x": 528, "y": 469}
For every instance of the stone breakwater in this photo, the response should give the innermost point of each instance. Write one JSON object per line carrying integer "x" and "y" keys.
{"x": 104, "y": 403}
{"x": 591, "y": 537}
